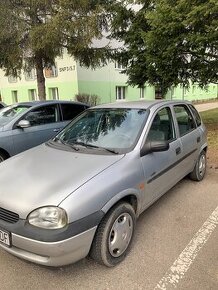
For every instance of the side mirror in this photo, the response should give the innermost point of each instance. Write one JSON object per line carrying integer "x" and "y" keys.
{"x": 24, "y": 124}
{"x": 154, "y": 146}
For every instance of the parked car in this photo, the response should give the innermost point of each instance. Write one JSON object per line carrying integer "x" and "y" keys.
{"x": 81, "y": 192}
{"x": 25, "y": 125}
{"x": 2, "y": 105}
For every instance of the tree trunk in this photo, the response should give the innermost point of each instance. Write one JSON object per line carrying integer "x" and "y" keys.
{"x": 40, "y": 79}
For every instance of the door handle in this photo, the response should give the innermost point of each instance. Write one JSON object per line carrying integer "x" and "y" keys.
{"x": 56, "y": 130}
{"x": 178, "y": 151}
{"x": 198, "y": 139}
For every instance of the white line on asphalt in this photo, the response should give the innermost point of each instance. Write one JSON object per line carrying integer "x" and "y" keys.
{"x": 188, "y": 255}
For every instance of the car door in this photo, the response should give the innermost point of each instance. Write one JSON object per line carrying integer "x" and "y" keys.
{"x": 44, "y": 124}
{"x": 160, "y": 168}
{"x": 189, "y": 136}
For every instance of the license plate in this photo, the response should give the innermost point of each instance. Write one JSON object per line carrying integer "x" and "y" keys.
{"x": 5, "y": 238}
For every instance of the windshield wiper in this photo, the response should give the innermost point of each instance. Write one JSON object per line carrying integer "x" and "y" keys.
{"x": 87, "y": 145}
{"x": 65, "y": 143}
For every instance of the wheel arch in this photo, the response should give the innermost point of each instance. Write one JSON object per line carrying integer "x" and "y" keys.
{"x": 4, "y": 152}
{"x": 129, "y": 196}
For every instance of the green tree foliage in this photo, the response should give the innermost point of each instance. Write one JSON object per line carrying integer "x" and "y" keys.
{"x": 172, "y": 42}
{"x": 34, "y": 32}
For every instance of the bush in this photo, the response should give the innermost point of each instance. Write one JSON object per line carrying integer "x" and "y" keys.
{"x": 91, "y": 100}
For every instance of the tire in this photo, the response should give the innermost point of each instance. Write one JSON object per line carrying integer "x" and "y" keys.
{"x": 113, "y": 238}
{"x": 200, "y": 167}
{"x": 2, "y": 157}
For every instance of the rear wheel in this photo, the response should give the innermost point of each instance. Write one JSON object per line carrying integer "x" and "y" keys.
{"x": 200, "y": 167}
{"x": 2, "y": 156}
{"x": 114, "y": 235}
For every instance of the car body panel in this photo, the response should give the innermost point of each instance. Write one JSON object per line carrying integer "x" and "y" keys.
{"x": 77, "y": 170}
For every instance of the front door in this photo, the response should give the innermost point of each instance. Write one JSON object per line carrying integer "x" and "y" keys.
{"x": 45, "y": 124}
{"x": 161, "y": 171}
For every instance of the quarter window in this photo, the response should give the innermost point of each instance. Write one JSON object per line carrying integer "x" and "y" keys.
{"x": 184, "y": 119}
{"x": 196, "y": 115}
{"x": 43, "y": 115}
{"x": 162, "y": 128}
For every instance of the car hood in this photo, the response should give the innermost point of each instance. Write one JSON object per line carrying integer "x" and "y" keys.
{"x": 45, "y": 176}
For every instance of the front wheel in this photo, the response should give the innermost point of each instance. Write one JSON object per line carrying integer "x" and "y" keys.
{"x": 199, "y": 170}
{"x": 114, "y": 235}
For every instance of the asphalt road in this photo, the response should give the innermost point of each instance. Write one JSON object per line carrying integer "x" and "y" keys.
{"x": 176, "y": 245}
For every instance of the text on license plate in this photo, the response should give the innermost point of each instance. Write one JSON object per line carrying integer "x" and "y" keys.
{"x": 4, "y": 238}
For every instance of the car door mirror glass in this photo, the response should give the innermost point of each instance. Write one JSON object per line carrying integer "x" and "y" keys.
{"x": 24, "y": 124}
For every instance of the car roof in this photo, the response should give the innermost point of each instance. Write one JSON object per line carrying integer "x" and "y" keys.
{"x": 36, "y": 103}
{"x": 142, "y": 104}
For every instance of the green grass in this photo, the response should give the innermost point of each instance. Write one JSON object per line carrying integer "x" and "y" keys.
{"x": 210, "y": 117}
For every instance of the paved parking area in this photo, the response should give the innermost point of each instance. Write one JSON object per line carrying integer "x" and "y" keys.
{"x": 165, "y": 232}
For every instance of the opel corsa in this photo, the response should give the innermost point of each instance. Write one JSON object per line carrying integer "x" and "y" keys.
{"x": 82, "y": 192}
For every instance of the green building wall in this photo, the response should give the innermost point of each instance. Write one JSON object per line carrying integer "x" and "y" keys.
{"x": 73, "y": 79}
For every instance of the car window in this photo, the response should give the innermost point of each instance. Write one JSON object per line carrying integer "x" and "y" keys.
{"x": 162, "y": 127}
{"x": 42, "y": 115}
{"x": 9, "y": 113}
{"x": 69, "y": 111}
{"x": 184, "y": 118}
{"x": 108, "y": 128}
{"x": 196, "y": 115}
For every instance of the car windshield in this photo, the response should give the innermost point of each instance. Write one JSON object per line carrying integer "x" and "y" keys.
{"x": 9, "y": 113}
{"x": 110, "y": 129}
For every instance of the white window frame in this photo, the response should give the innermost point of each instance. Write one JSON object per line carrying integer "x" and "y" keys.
{"x": 34, "y": 95}
{"x": 120, "y": 93}
{"x": 12, "y": 79}
{"x": 54, "y": 71}
{"x": 14, "y": 95}
{"x": 54, "y": 93}
{"x": 30, "y": 75}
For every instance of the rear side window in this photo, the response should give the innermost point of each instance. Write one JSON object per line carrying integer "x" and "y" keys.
{"x": 196, "y": 115}
{"x": 162, "y": 128}
{"x": 69, "y": 111}
{"x": 43, "y": 115}
{"x": 184, "y": 118}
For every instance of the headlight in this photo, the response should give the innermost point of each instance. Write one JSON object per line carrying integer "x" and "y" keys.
{"x": 49, "y": 217}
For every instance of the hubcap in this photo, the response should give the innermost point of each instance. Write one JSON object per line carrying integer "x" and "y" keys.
{"x": 120, "y": 234}
{"x": 202, "y": 165}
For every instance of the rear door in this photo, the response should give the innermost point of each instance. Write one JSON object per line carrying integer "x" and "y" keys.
{"x": 70, "y": 111}
{"x": 189, "y": 136}
{"x": 45, "y": 123}
{"x": 161, "y": 168}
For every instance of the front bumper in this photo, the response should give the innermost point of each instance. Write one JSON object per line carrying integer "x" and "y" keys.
{"x": 52, "y": 253}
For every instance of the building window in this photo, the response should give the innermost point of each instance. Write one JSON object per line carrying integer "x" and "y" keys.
{"x": 119, "y": 65}
{"x": 32, "y": 95}
{"x": 30, "y": 75}
{"x": 142, "y": 93}
{"x": 51, "y": 72}
{"x": 120, "y": 93}
{"x": 14, "y": 96}
{"x": 12, "y": 79}
{"x": 53, "y": 93}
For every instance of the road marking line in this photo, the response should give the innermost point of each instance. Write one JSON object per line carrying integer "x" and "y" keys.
{"x": 188, "y": 255}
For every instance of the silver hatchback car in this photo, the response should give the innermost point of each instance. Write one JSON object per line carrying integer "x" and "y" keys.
{"x": 81, "y": 192}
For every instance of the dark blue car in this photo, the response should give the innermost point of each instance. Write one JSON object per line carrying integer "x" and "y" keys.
{"x": 25, "y": 125}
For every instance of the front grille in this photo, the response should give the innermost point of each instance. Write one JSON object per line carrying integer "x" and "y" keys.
{"x": 8, "y": 216}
